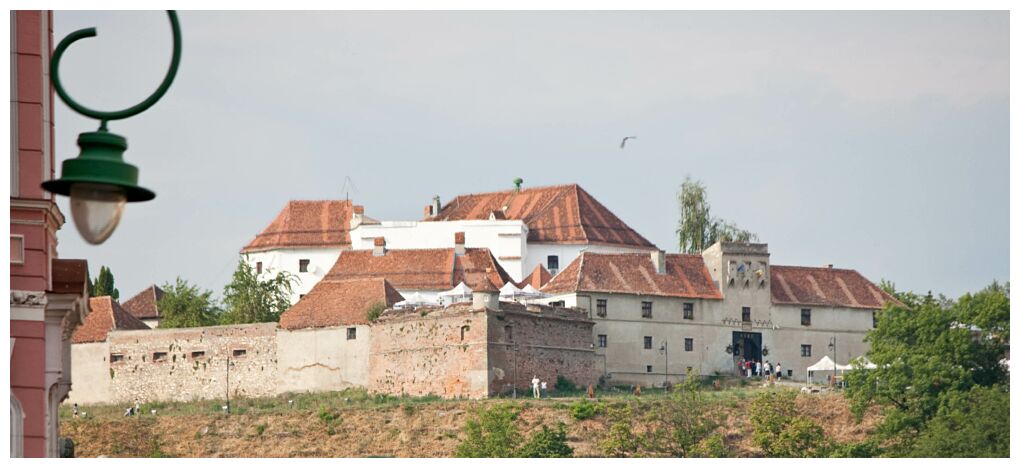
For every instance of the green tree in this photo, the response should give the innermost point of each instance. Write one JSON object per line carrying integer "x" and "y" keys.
{"x": 930, "y": 355}
{"x": 697, "y": 229}
{"x": 248, "y": 299}
{"x": 547, "y": 443}
{"x": 104, "y": 285}
{"x": 972, "y": 424}
{"x": 677, "y": 427}
{"x": 374, "y": 311}
{"x": 183, "y": 305}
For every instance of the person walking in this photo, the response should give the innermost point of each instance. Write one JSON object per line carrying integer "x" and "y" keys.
{"x": 74, "y": 411}
{"x": 757, "y": 369}
{"x": 768, "y": 370}
{"x": 534, "y": 386}
{"x": 750, "y": 365}
{"x": 544, "y": 392}
{"x": 779, "y": 371}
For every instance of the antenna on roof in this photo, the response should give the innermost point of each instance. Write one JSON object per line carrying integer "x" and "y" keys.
{"x": 348, "y": 181}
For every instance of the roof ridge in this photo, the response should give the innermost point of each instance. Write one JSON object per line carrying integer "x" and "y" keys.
{"x": 493, "y": 192}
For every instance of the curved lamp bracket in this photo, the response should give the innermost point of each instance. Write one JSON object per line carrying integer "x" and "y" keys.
{"x": 104, "y": 116}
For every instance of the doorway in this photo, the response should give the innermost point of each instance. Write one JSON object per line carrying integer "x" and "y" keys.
{"x": 747, "y": 345}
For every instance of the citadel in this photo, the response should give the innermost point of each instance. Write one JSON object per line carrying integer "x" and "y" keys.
{"x": 482, "y": 294}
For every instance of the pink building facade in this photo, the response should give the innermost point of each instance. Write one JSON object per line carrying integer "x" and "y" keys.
{"x": 48, "y": 295}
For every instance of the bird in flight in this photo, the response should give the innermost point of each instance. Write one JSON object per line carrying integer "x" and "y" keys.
{"x": 624, "y": 141}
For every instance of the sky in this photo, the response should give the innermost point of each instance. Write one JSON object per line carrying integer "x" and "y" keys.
{"x": 875, "y": 141}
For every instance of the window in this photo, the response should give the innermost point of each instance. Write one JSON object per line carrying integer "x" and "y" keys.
{"x": 558, "y": 303}
{"x": 745, "y": 314}
{"x": 688, "y": 344}
{"x": 352, "y": 333}
{"x": 805, "y": 317}
{"x": 303, "y": 265}
{"x": 552, "y": 263}
{"x": 17, "y": 249}
{"x": 116, "y": 358}
{"x": 300, "y": 296}
{"x": 508, "y": 333}
{"x": 197, "y": 354}
{"x": 805, "y": 350}
{"x": 874, "y": 319}
{"x": 258, "y": 268}
{"x": 463, "y": 330}
{"x": 600, "y": 307}
{"x": 648, "y": 369}
{"x": 603, "y": 341}
{"x": 646, "y": 309}
{"x": 240, "y": 353}
{"x": 688, "y": 311}
{"x": 648, "y": 342}
{"x": 158, "y": 356}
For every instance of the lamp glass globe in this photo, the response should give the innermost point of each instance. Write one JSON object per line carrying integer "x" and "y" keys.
{"x": 96, "y": 210}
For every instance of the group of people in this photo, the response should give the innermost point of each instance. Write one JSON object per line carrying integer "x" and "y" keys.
{"x": 755, "y": 368}
{"x": 539, "y": 388}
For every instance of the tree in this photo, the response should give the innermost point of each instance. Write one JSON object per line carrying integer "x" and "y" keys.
{"x": 547, "y": 443}
{"x": 780, "y": 432}
{"x": 183, "y": 306}
{"x": 374, "y": 311}
{"x": 492, "y": 433}
{"x": 930, "y": 356}
{"x": 247, "y": 299}
{"x": 681, "y": 423}
{"x": 697, "y": 229}
{"x": 104, "y": 285}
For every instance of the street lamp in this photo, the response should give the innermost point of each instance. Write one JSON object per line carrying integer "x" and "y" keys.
{"x": 664, "y": 349}
{"x": 98, "y": 181}
{"x": 832, "y": 346}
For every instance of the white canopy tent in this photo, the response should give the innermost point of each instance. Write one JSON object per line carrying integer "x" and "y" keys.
{"x": 511, "y": 291}
{"x": 459, "y": 293}
{"x": 862, "y": 363}
{"x": 825, "y": 366}
{"x": 415, "y": 299}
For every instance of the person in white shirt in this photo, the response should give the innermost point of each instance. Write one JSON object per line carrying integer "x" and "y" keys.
{"x": 757, "y": 368}
{"x": 544, "y": 393}
{"x": 779, "y": 371}
{"x": 534, "y": 386}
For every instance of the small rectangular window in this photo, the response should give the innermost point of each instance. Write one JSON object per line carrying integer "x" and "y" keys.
{"x": 648, "y": 342}
{"x": 688, "y": 311}
{"x": 258, "y": 268}
{"x": 603, "y": 341}
{"x": 197, "y": 354}
{"x": 17, "y": 249}
{"x": 552, "y": 263}
{"x": 558, "y": 303}
{"x": 303, "y": 265}
{"x": 805, "y": 317}
{"x": 805, "y": 350}
{"x": 648, "y": 369}
{"x": 158, "y": 356}
{"x": 508, "y": 333}
{"x": 688, "y": 344}
{"x": 874, "y": 319}
{"x": 646, "y": 309}
{"x": 116, "y": 358}
{"x": 352, "y": 333}
{"x": 239, "y": 353}
{"x": 745, "y": 314}
{"x": 601, "y": 307}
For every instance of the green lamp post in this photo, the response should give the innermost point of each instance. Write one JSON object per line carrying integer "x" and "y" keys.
{"x": 98, "y": 181}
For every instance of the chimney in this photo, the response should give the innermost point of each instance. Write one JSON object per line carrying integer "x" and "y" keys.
{"x": 458, "y": 243}
{"x": 829, "y": 265}
{"x": 380, "y": 247}
{"x": 659, "y": 261}
{"x": 357, "y": 216}
{"x": 428, "y": 211}
{"x": 435, "y": 205}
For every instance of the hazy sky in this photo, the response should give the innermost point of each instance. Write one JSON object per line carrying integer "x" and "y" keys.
{"x": 873, "y": 141}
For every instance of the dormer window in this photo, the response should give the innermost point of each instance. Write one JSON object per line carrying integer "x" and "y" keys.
{"x": 303, "y": 265}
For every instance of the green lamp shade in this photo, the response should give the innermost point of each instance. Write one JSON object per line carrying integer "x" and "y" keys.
{"x": 100, "y": 163}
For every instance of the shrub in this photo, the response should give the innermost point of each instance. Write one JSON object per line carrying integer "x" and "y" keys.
{"x": 374, "y": 311}
{"x": 564, "y": 384}
{"x": 620, "y": 440}
{"x": 713, "y": 446}
{"x": 584, "y": 409}
{"x": 491, "y": 433}
{"x": 779, "y": 432}
{"x": 547, "y": 444}
{"x": 259, "y": 429}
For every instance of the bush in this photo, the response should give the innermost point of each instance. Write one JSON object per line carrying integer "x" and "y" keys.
{"x": 564, "y": 384}
{"x": 374, "y": 311}
{"x": 547, "y": 444}
{"x": 713, "y": 446}
{"x": 779, "y": 432}
{"x": 620, "y": 441}
{"x": 584, "y": 409}
{"x": 491, "y": 433}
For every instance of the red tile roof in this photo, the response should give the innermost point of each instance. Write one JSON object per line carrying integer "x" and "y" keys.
{"x": 827, "y": 287}
{"x": 422, "y": 269}
{"x": 539, "y": 277}
{"x": 106, "y": 315}
{"x": 686, "y": 276}
{"x": 563, "y": 214}
{"x": 333, "y": 303}
{"x": 306, "y": 223}
{"x": 145, "y": 305}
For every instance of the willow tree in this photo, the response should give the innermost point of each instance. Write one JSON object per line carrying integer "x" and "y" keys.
{"x": 697, "y": 229}
{"x": 249, "y": 299}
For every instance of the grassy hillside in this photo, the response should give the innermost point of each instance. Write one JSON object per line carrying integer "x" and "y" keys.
{"x": 355, "y": 424}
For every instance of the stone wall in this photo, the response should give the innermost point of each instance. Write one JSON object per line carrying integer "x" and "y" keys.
{"x": 322, "y": 359}
{"x": 441, "y": 353}
{"x": 191, "y": 363}
{"x": 524, "y": 344}
{"x": 90, "y": 373}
